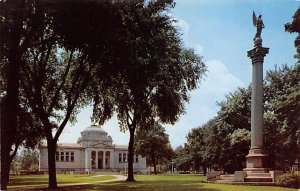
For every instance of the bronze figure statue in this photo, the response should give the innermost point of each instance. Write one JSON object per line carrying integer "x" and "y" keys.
{"x": 258, "y": 23}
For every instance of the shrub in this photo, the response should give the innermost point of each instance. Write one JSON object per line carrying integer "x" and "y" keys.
{"x": 291, "y": 180}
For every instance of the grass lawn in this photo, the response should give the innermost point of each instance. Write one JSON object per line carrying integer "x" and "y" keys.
{"x": 27, "y": 181}
{"x": 154, "y": 183}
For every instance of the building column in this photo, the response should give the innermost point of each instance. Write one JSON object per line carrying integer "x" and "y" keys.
{"x": 88, "y": 164}
{"x": 103, "y": 160}
{"x": 111, "y": 158}
{"x": 256, "y": 159}
{"x": 96, "y": 159}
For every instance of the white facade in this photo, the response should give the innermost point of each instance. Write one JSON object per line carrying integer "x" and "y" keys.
{"x": 93, "y": 152}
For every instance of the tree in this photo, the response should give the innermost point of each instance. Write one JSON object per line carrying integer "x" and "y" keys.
{"x": 294, "y": 27}
{"x": 283, "y": 109}
{"x": 197, "y": 146}
{"x": 153, "y": 144}
{"x": 9, "y": 125}
{"x": 214, "y": 144}
{"x": 182, "y": 160}
{"x": 29, "y": 160}
{"x": 16, "y": 122}
{"x": 151, "y": 82}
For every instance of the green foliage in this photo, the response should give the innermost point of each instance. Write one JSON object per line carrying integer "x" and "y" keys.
{"x": 153, "y": 143}
{"x": 294, "y": 27}
{"x": 29, "y": 160}
{"x": 182, "y": 160}
{"x": 282, "y": 119}
{"x": 291, "y": 180}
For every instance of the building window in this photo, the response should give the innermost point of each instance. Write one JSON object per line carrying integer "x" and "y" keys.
{"x": 57, "y": 156}
{"x": 124, "y": 157}
{"x": 120, "y": 157}
{"x": 62, "y": 156}
{"x": 67, "y": 156}
{"x": 136, "y": 158}
{"x": 72, "y": 156}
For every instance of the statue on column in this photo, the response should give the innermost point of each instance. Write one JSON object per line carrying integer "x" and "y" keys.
{"x": 258, "y": 23}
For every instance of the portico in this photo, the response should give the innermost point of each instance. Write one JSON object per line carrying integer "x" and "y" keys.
{"x": 101, "y": 159}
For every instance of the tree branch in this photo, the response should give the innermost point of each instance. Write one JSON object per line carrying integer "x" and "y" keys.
{"x": 54, "y": 98}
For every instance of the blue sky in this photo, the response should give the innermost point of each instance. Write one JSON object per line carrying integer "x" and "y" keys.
{"x": 221, "y": 31}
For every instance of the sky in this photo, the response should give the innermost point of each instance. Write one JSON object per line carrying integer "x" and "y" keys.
{"x": 221, "y": 32}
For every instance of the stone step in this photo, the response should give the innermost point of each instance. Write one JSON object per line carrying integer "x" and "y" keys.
{"x": 227, "y": 177}
{"x": 258, "y": 175}
{"x": 258, "y": 179}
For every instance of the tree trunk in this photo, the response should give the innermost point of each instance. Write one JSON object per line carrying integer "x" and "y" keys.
{"x": 204, "y": 170}
{"x": 130, "y": 154}
{"x": 11, "y": 103}
{"x": 52, "y": 184}
{"x": 154, "y": 164}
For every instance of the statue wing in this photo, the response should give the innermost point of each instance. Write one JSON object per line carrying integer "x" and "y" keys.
{"x": 254, "y": 19}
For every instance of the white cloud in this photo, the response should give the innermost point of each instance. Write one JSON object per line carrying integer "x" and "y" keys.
{"x": 219, "y": 80}
{"x": 184, "y": 28}
{"x": 199, "y": 49}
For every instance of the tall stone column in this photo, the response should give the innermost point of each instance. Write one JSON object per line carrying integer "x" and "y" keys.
{"x": 87, "y": 160}
{"x": 103, "y": 160}
{"x": 111, "y": 158}
{"x": 96, "y": 160}
{"x": 256, "y": 159}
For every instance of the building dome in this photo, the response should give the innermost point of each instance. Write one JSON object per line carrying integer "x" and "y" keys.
{"x": 94, "y": 129}
{"x": 94, "y": 134}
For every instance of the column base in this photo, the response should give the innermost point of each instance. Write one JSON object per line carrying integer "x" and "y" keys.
{"x": 256, "y": 159}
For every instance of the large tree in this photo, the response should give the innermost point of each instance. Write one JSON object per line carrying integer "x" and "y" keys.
{"x": 153, "y": 143}
{"x": 54, "y": 49}
{"x": 155, "y": 74}
{"x": 16, "y": 121}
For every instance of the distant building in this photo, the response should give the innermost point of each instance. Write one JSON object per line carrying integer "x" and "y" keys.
{"x": 93, "y": 152}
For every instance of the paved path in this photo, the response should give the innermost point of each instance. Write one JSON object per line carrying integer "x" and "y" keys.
{"x": 118, "y": 178}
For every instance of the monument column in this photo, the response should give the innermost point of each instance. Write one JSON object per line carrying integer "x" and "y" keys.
{"x": 257, "y": 154}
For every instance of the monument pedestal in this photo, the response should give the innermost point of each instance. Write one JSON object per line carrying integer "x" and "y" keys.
{"x": 256, "y": 161}
{"x": 256, "y": 170}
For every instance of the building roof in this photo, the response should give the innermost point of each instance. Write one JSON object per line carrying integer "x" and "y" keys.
{"x": 94, "y": 128}
{"x": 68, "y": 145}
{"x": 64, "y": 145}
{"x": 121, "y": 147}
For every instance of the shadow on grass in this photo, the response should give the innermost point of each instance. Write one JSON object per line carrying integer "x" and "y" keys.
{"x": 25, "y": 182}
{"x": 141, "y": 186}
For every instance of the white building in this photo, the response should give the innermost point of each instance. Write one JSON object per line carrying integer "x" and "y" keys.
{"x": 93, "y": 152}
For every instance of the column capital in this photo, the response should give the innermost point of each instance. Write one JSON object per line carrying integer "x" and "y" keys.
{"x": 257, "y": 54}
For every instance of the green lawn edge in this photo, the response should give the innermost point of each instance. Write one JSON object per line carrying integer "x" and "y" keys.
{"x": 156, "y": 183}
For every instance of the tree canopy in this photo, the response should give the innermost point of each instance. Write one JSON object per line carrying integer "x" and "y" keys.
{"x": 294, "y": 27}
{"x": 153, "y": 143}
